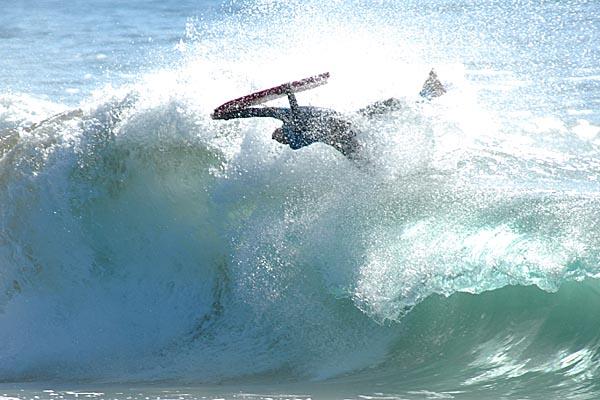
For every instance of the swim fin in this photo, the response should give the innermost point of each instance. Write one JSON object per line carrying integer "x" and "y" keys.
{"x": 432, "y": 87}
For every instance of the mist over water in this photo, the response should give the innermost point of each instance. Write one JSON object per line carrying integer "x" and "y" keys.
{"x": 143, "y": 243}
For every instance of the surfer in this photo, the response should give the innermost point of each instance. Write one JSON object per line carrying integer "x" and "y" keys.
{"x": 304, "y": 125}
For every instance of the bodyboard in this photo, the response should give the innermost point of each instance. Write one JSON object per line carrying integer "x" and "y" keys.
{"x": 273, "y": 93}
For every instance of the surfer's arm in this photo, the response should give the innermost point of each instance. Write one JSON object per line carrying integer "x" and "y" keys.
{"x": 256, "y": 112}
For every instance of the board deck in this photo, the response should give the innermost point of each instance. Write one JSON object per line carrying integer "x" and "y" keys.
{"x": 273, "y": 93}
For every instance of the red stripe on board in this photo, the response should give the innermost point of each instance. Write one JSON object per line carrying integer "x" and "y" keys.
{"x": 271, "y": 94}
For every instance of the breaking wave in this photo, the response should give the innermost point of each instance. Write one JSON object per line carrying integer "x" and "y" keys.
{"x": 142, "y": 241}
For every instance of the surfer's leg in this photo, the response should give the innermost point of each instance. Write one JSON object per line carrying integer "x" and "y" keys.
{"x": 432, "y": 87}
{"x": 382, "y": 107}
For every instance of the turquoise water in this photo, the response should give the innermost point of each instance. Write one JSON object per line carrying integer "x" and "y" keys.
{"x": 147, "y": 251}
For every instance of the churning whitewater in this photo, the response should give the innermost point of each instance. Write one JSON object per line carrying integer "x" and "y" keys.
{"x": 142, "y": 241}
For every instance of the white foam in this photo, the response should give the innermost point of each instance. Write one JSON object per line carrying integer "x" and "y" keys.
{"x": 585, "y": 130}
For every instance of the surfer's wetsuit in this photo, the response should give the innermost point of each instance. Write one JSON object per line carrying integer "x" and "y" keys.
{"x": 305, "y": 125}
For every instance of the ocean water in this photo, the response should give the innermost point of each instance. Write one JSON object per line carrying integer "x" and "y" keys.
{"x": 149, "y": 252}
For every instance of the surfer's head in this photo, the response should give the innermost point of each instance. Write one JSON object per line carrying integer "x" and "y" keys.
{"x": 279, "y": 136}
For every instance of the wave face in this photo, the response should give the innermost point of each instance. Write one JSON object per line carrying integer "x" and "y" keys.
{"x": 141, "y": 241}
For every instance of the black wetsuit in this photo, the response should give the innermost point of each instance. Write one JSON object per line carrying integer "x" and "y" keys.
{"x": 306, "y": 125}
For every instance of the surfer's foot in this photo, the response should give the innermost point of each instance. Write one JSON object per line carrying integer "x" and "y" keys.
{"x": 432, "y": 87}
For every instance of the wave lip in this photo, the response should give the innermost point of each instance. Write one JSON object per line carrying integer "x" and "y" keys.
{"x": 162, "y": 257}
